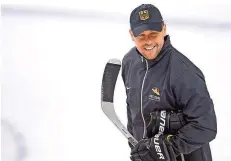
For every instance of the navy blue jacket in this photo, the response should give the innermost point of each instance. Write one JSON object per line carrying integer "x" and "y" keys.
{"x": 170, "y": 82}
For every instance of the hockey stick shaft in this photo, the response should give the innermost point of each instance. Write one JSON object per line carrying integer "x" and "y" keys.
{"x": 110, "y": 75}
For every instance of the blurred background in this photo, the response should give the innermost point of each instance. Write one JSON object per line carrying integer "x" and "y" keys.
{"x": 53, "y": 57}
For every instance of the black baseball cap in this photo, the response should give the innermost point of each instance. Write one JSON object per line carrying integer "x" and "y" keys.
{"x": 145, "y": 17}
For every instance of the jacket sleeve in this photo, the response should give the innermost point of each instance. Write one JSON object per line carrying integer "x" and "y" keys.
{"x": 129, "y": 121}
{"x": 193, "y": 98}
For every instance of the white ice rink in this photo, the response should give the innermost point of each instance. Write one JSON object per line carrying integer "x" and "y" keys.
{"x": 52, "y": 72}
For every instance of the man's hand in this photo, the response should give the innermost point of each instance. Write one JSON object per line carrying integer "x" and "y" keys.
{"x": 157, "y": 148}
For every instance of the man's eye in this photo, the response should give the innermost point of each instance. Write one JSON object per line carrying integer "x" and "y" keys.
{"x": 153, "y": 35}
{"x": 140, "y": 37}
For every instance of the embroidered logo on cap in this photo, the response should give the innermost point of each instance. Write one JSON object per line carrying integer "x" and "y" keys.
{"x": 144, "y": 15}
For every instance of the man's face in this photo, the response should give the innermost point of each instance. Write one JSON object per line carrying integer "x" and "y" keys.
{"x": 149, "y": 43}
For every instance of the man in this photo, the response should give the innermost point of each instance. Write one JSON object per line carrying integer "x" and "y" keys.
{"x": 169, "y": 108}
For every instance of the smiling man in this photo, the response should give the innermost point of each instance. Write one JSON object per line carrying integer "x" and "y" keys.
{"x": 169, "y": 108}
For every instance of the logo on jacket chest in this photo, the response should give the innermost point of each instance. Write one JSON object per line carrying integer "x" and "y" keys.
{"x": 155, "y": 96}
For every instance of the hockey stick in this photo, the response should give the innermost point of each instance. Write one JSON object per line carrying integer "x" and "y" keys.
{"x": 110, "y": 75}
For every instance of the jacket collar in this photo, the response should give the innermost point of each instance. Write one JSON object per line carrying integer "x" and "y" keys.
{"x": 163, "y": 52}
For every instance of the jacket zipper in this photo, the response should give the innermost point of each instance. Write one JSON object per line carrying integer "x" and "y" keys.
{"x": 141, "y": 95}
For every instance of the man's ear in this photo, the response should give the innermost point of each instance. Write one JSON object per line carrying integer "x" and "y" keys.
{"x": 132, "y": 35}
{"x": 164, "y": 29}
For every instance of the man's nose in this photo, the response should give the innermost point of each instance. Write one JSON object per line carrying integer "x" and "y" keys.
{"x": 148, "y": 41}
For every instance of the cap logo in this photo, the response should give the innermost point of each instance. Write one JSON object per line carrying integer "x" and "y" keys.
{"x": 144, "y": 15}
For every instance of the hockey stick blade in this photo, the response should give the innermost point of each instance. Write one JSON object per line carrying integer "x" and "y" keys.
{"x": 110, "y": 76}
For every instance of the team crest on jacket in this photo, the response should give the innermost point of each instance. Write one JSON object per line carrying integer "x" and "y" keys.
{"x": 155, "y": 96}
{"x": 156, "y": 91}
{"x": 144, "y": 15}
